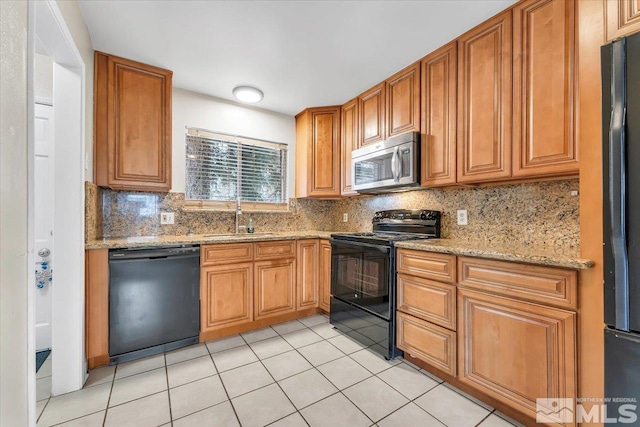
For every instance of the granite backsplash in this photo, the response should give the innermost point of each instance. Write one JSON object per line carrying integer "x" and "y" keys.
{"x": 542, "y": 213}
{"x": 132, "y": 213}
{"x": 532, "y": 213}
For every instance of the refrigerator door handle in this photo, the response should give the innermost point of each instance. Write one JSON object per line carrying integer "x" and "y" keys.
{"x": 617, "y": 185}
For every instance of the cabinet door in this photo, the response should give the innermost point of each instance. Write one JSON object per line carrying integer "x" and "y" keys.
{"x": 544, "y": 140}
{"x": 348, "y": 142}
{"x": 308, "y": 273}
{"x": 439, "y": 100}
{"x": 226, "y": 296}
{"x": 318, "y": 153}
{"x": 403, "y": 101}
{"x": 325, "y": 275}
{"x": 133, "y": 133}
{"x": 372, "y": 115}
{"x": 274, "y": 287}
{"x": 516, "y": 351}
{"x": 622, "y": 18}
{"x": 484, "y": 101}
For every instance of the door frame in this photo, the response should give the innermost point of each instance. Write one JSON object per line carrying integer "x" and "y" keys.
{"x": 69, "y": 364}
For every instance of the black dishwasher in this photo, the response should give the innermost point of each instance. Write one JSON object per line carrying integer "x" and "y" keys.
{"x": 154, "y": 300}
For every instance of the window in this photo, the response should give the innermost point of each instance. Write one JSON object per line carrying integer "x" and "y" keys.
{"x": 220, "y": 168}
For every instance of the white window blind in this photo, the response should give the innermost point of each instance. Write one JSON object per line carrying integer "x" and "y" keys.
{"x": 221, "y": 168}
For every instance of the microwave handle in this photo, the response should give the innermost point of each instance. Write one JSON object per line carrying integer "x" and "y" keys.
{"x": 394, "y": 172}
{"x": 398, "y": 164}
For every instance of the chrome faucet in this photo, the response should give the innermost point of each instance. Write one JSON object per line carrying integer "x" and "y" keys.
{"x": 238, "y": 213}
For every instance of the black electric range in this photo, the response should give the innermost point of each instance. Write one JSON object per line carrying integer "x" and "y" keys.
{"x": 363, "y": 275}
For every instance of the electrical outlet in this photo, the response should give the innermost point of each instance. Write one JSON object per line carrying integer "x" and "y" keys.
{"x": 167, "y": 218}
{"x": 462, "y": 217}
{"x": 574, "y": 192}
{"x": 345, "y": 217}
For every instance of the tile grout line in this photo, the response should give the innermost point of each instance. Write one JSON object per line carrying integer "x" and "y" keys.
{"x": 76, "y": 418}
{"x": 365, "y": 379}
{"x": 166, "y": 378}
{"x": 45, "y": 407}
{"x": 113, "y": 380}
{"x": 323, "y": 339}
{"x": 223, "y": 387}
{"x": 338, "y": 390}
{"x": 272, "y": 377}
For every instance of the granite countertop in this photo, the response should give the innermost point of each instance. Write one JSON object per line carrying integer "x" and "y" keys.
{"x": 541, "y": 255}
{"x": 200, "y": 239}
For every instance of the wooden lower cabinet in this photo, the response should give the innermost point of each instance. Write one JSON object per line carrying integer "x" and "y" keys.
{"x": 225, "y": 296}
{"x": 274, "y": 292}
{"x": 432, "y": 344}
{"x": 97, "y": 307}
{"x": 324, "y": 288}
{"x": 516, "y": 351}
{"x": 278, "y": 282}
{"x": 427, "y": 299}
{"x": 308, "y": 273}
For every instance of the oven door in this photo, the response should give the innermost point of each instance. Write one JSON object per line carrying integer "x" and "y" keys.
{"x": 361, "y": 274}
{"x": 388, "y": 167}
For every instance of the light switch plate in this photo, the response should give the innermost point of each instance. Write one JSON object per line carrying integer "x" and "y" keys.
{"x": 167, "y": 218}
{"x": 462, "y": 217}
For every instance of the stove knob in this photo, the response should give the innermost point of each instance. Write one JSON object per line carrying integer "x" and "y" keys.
{"x": 423, "y": 215}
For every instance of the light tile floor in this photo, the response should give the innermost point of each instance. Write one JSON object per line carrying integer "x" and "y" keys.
{"x": 299, "y": 373}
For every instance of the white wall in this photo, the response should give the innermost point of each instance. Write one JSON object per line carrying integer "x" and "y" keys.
{"x": 72, "y": 15}
{"x": 15, "y": 362}
{"x": 202, "y": 111}
{"x": 43, "y": 78}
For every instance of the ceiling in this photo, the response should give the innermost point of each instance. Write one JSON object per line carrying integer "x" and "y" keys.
{"x": 299, "y": 53}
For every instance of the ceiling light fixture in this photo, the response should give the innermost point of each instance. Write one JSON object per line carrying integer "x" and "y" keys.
{"x": 248, "y": 94}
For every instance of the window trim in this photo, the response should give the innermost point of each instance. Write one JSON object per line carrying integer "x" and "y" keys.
{"x": 218, "y": 206}
{"x": 230, "y": 205}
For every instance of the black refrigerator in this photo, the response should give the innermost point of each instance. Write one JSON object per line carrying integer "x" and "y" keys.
{"x": 621, "y": 240}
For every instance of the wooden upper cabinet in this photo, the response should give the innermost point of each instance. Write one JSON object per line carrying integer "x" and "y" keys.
{"x": 318, "y": 153}
{"x": 349, "y": 142}
{"x": 439, "y": 101}
{"x": 308, "y": 273}
{"x": 484, "y": 101}
{"x": 544, "y": 88}
{"x": 403, "y": 101}
{"x": 132, "y": 125}
{"x": 516, "y": 351}
{"x": 622, "y": 18}
{"x": 372, "y": 115}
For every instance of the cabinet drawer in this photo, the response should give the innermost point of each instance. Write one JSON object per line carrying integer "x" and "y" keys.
{"x": 429, "y": 265}
{"x": 428, "y": 300}
{"x": 275, "y": 250}
{"x": 430, "y": 343}
{"x": 226, "y": 253}
{"x": 545, "y": 285}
